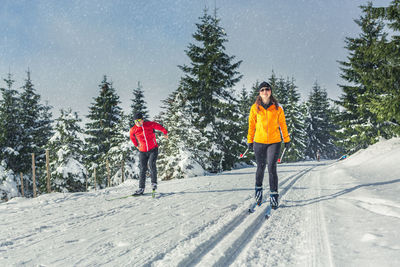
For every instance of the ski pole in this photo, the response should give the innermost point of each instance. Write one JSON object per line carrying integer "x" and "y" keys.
{"x": 283, "y": 153}
{"x": 242, "y": 155}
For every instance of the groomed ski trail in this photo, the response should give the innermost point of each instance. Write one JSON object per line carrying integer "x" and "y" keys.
{"x": 296, "y": 234}
{"x": 220, "y": 242}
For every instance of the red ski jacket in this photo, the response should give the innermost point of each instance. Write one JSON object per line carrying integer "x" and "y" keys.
{"x": 145, "y": 135}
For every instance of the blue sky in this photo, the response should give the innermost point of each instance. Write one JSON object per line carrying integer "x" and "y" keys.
{"x": 69, "y": 45}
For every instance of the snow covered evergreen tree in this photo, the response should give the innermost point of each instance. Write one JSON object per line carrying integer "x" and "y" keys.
{"x": 138, "y": 104}
{"x": 104, "y": 115}
{"x": 295, "y": 123}
{"x": 68, "y": 173}
{"x": 123, "y": 153}
{"x": 319, "y": 125}
{"x": 385, "y": 78}
{"x": 10, "y": 127}
{"x": 35, "y": 119}
{"x": 8, "y": 184}
{"x": 246, "y": 100}
{"x": 183, "y": 154}
{"x": 244, "y": 104}
{"x": 254, "y": 92}
{"x": 359, "y": 124}
{"x": 208, "y": 83}
{"x": 280, "y": 90}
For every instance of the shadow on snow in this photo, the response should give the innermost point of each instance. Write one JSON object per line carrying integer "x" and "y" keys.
{"x": 301, "y": 203}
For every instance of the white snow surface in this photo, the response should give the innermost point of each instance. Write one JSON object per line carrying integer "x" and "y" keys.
{"x": 332, "y": 213}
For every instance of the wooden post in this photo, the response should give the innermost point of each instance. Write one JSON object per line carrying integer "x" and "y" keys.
{"x": 123, "y": 171}
{"x": 27, "y": 184}
{"x": 48, "y": 170}
{"x": 22, "y": 185}
{"x": 108, "y": 173}
{"x": 33, "y": 175}
{"x": 95, "y": 182}
{"x": 86, "y": 179}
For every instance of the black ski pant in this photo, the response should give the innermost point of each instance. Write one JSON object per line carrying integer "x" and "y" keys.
{"x": 148, "y": 159}
{"x": 264, "y": 153}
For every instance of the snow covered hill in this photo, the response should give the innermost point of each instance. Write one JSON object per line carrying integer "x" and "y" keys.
{"x": 344, "y": 213}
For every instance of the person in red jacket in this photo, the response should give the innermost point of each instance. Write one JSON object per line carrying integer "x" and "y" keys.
{"x": 143, "y": 137}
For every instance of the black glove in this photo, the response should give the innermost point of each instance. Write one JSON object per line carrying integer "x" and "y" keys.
{"x": 287, "y": 145}
{"x": 250, "y": 146}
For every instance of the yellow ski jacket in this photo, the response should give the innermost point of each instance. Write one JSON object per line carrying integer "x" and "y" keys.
{"x": 265, "y": 126}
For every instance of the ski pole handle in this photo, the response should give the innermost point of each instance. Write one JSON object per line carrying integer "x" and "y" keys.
{"x": 242, "y": 155}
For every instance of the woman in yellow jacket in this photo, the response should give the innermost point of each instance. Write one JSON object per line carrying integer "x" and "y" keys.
{"x": 266, "y": 123}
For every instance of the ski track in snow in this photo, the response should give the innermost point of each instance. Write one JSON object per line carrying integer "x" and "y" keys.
{"x": 290, "y": 238}
{"x": 219, "y": 245}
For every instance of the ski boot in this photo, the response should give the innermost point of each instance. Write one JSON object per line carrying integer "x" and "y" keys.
{"x": 274, "y": 200}
{"x": 258, "y": 195}
{"x": 154, "y": 188}
{"x": 139, "y": 192}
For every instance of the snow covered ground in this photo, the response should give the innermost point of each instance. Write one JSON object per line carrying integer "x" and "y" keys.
{"x": 344, "y": 213}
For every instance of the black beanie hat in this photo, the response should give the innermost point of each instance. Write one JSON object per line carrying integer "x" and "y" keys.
{"x": 264, "y": 84}
{"x": 138, "y": 116}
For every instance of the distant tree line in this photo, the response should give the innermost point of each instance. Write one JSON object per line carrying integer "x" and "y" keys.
{"x": 206, "y": 117}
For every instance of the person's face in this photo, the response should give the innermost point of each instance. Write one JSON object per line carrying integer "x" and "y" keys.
{"x": 265, "y": 92}
{"x": 139, "y": 122}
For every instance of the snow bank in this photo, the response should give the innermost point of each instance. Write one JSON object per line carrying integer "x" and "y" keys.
{"x": 360, "y": 200}
{"x": 380, "y": 160}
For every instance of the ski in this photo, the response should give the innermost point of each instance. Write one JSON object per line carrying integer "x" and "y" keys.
{"x": 254, "y": 205}
{"x": 268, "y": 212}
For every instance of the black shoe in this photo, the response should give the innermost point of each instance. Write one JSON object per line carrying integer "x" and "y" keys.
{"x": 139, "y": 192}
{"x": 274, "y": 200}
{"x": 258, "y": 195}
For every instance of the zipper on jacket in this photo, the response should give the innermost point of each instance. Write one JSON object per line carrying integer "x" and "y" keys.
{"x": 145, "y": 139}
{"x": 266, "y": 123}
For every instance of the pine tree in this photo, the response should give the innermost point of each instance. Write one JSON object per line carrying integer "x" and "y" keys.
{"x": 280, "y": 90}
{"x": 8, "y": 185}
{"x": 208, "y": 83}
{"x": 359, "y": 124}
{"x": 184, "y": 153}
{"x": 10, "y": 126}
{"x": 319, "y": 125}
{"x": 104, "y": 115}
{"x": 244, "y": 104}
{"x": 295, "y": 123}
{"x": 246, "y": 100}
{"x": 384, "y": 90}
{"x": 35, "y": 119}
{"x": 123, "y": 152}
{"x": 68, "y": 173}
{"x": 254, "y": 92}
{"x": 138, "y": 104}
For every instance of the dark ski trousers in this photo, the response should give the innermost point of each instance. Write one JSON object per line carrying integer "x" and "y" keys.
{"x": 264, "y": 153}
{"x": 148, "y": 159}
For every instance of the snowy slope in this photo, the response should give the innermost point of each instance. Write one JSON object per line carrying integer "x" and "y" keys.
{"x": 343, "y": 213}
